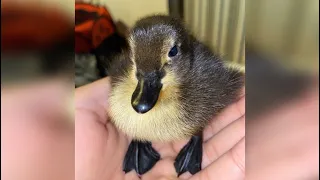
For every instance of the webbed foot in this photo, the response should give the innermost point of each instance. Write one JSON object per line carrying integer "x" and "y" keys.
{"x": 141, "y": 157}
{"x": 190, "y": 157}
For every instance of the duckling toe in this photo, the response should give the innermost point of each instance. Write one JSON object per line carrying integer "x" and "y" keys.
{"x": 140, "y": 157}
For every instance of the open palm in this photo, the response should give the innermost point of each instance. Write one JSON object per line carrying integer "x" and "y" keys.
{"x": 100, "y": 147}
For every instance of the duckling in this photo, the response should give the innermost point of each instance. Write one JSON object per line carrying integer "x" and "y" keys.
{"x": 165, "y": 88}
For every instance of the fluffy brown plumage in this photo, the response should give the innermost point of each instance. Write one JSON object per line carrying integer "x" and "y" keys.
{"x": 196, "y": 84}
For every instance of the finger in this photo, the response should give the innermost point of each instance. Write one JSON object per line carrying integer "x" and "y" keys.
{"x": 223, "y": 141}
{"x": 230, "y": 166}
{"x": 185, "y": 175}
{"x": 165, "y": 149}
{"x": 94, "y": 93}
{"x": 227, "y": 116}
{"x": 132, "y": 175}
{"x": 93, "y": 97}
{"x": 163, "y": 169}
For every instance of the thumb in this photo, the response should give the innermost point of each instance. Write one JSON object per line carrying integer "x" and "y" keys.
{"x": 93, "y": 97}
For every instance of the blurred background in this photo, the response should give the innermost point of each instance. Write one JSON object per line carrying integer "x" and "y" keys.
{"x": 276, "y": 41}
{"x": 37, "y": 39}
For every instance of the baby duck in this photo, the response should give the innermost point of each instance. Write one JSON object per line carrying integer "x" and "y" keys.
{"x": 167, "y": 87}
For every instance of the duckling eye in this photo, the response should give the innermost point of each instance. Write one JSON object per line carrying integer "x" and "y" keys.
{"x": 173, "y": 51}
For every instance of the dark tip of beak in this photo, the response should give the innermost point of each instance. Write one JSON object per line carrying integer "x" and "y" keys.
{"x": 146, "y": 95}
{"x": 141, "y": 108}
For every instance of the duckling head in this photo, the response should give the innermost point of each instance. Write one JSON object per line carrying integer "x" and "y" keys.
{"x": 159, "y": 51}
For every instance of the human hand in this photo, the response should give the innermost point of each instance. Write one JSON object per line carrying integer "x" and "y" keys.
{"x": 100, "y": 147}
{"x": 37, "y": 133}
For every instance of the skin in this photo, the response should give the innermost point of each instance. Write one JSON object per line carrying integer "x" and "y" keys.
{"x": 283, "y": 143}
{"x": 100, "y": 147}
{"x": 37, "y": 133}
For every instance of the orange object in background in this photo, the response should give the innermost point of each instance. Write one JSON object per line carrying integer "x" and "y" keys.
{"x": 30, "y": 26}
{"x": 93, "y": 24}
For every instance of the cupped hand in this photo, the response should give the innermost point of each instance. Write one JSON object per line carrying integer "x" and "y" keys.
{"x": 100, "y": 147}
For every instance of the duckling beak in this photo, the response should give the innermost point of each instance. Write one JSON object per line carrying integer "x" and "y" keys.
{"x": 146, "y": 94}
